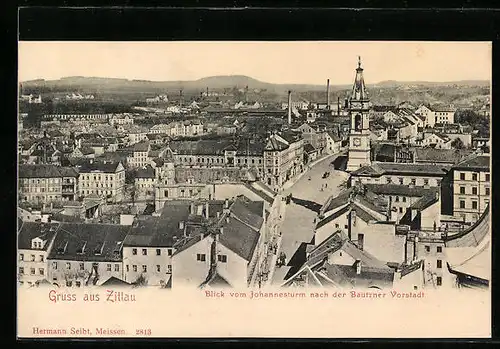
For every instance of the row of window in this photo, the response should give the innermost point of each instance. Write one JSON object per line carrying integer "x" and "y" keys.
{"x": 474, "y": 176}
{"x": 201, "y": 257}
{"x": 145, "y": 251}
{"x": 38, "y": 181}
{"x": 102, "y": 185}
{"x": 439, "y": 249}
{"x": 474, "y": 190}
{"x": 474, "y": 204}
{"x": 99, "y": 177}
{"x": 33, "y": 257}
{"x": 81, "y": 266}
{"x": 41, "y": 271}
{"x": 182, "y": 193}
{"x": 145, "y": 268}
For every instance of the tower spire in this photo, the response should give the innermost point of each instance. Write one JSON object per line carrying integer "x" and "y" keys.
{"x": 359, "y": 89}
{"x": 359, "y": 62}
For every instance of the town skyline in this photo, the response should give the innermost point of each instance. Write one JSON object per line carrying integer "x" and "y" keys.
{"x": 311, "y": 62}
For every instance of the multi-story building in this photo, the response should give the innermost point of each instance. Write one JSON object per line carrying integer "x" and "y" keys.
{"x": 436, "y": 114}
{"x": 34, "y": 242}
{"x": 471, "y": 187}
{"x": 283, "y": 159}
{"x": 145, "y": 181}
{"x": 225, "y": 252}
{"x": 139, "y": 154}
{"x": 86, "y": 254}
{"x": 106, "y": 179}
{"x": 121, "y": 119}
{"x": 148, "y": 248}
{"x": 45, "y": 183}
{"x": 416, "y": 175}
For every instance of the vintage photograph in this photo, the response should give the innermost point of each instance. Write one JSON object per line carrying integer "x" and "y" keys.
{"x": 266, "y": 169}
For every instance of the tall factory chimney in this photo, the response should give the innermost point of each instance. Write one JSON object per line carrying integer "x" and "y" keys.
{"x": 328, "y": 94}
{"x": 289, "y": 107}
{"x": 180, "y": 99}
{"x": 338, "y": 106}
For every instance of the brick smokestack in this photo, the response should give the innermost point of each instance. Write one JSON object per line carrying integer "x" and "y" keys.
{"x": 328, "y": 94}
{"x": 289, "y": 107}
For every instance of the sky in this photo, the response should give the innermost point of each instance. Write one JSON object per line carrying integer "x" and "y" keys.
{"x": 295, "y": 62}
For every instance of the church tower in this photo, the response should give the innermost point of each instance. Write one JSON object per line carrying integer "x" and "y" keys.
{"x": 359, "y": 136}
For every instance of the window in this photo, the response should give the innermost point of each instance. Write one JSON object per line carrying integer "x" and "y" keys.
{"x": 169, "y": 269}
{"x": 439, "y": 280}
{"x": 82, "y": 266}
{"x": 439, "y": 249}
{"x": 426, "y": 181}
{"x": 158, "y": 252}
{"x": 413, "y": 181}
{"x": 134, "y": 268}
{"x": 144, "y": 268}
{"x": 54, "y": 265}
{"x": 346, "y": 226}
{"x": 127, "y": 268}
{"x": 474, "y": 176}
{"x": 396, "y": 199}
{"x": 401, "y": 180}
{"x": 487, "y": 175}
{"x": 166, "y": 193}
{"x": 78, "y": 283}
{"x": 439, "y": 264}
{"x": 462, "y": 176}
{"x": 32, "y": 271}
{"x": 108, "y": 267}
{"x": 69, "y": 283}
{"x": 400, "y": 210}
{"x": 41, "y": 271}
{"x": 222, "y": 258}
{"x": 158, "y": 268}
{"x": 427, "y": 248}
{"x": 474, "y": 191}
{"x": 21, "y": 270}
{"x": 389, "y": 180}
{"x": 404, "y": 198}
{"x": 462, "y": 203}
{"x": 474, "y": 205}
{"x": 144, "y": 252}
{"x": 41, "y": 258}
{"x": 21, "y": 257}
{"x": 336, "y": 225}
{"x": 169, "y": 251}
{"x": 487, "y": 191}
{"x": 200, "y": 257}
{"x": 32, "y": 257}
{"x": 68, "y": 266}
{"x": 134, "y": 251}
{"x": 462, "y": 190}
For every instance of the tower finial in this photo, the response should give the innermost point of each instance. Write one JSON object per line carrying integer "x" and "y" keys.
{"x": 359, "y": 61}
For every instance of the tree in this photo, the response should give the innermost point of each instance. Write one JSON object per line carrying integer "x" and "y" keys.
{"x": 457, "y": 143}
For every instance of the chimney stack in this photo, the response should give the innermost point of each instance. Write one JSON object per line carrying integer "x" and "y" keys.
{"x": 206, "y": 210}
{"x": 346, "y": 103}
{"x": 289, "y": 107}
{"x": 328, "y": 94}
{"x": 191, "y": 208}
{"x": 226, "y": 203}
{"x": 181, "y": 225}
{"x": 358, "y": 267}
{"x": 338, "y": 106}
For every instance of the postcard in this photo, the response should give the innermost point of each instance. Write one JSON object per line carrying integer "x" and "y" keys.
{"x": 299, "y": 189}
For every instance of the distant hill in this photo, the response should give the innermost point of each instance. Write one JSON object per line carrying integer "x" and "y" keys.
{"x": 118, "y": 85}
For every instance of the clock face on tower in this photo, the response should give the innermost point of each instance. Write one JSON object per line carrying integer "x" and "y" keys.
{"x": 357, "y": 141}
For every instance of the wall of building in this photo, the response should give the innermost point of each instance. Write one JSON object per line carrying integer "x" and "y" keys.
{"x": 151, "y": 260}
{"x": 59, "y": 273}
{"x": 186, "y": 270}
{"x": 235, "y": 271}
{"x": 33, "y": 264}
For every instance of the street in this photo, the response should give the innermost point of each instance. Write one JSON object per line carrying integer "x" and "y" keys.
{"x": 298, "y": 225}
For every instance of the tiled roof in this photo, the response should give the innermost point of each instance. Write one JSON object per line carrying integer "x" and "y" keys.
{"x": 45, "y": 171}
{"x": 142, "y": 146}
{"x": 115, "y": 282}
{"x": 308, "y": 148}
{"x": 161, "y": 231}
{"x": 450, "y": 156}
{"x": 425, "y": 201}
{"x": 380, "y": 168}
{"x": 98, "y": 166}
{"x": 103, "y": 242}
{"x": 30, "y": 230}
{"x": 146, "y": 172}
{"x": 477, "y": 162}
{"x": 201, "y": 147}
{"x": 396, "y": 189}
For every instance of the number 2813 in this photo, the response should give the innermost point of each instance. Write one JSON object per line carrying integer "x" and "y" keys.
{"x": 143, "y": 332}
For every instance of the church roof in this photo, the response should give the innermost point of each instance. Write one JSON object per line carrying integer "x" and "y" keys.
{"x": 359, "y": 90}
